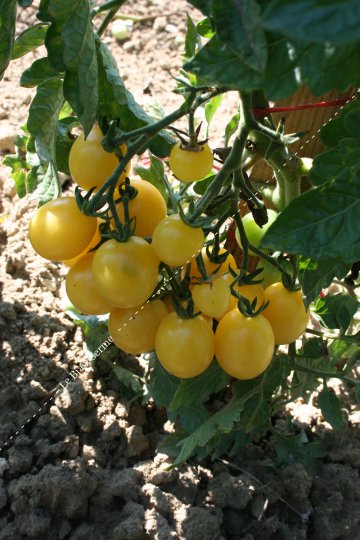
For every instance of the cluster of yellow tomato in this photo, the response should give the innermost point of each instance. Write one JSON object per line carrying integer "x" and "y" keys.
{"x": 119, "y": 278}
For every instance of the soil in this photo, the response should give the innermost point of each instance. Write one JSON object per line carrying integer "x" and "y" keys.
{"x": 81, "y": 462}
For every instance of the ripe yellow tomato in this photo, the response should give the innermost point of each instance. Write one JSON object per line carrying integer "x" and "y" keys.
{"x": 148, "y": 207}
{"x": 250, "y": 292}
{"x": 190, "y": 165}
{"x": 286, "y": 313}
{"x": 184, "y": 347}
{"x": 94, "y": 242}
{"x": 81, "y": 288}
{"x": 213, "y": 298}
{"x": 175, "y": 242}
{"x": 90, "y": 165}
{"x": 133, "y": 330}
{"x": 244, "y": 346}
{"x": 211, "y": 267}
{"x": 126, "y": 273}
{"x": 59, "y": 230}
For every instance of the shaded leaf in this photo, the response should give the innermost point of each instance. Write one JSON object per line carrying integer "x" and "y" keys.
{"x": 43, "y": 117}
{"x": 318, "y": 275}
{"x": 29, "y": 40}
{"x": 330, "y": 406}
{"x": 39, "y": 72}
{"x": 192, "y": 39}
{"x": 297, "y": 449}
{"x": 48, "y": 185}
{"x": 7, "y": 32}
{"x": 336, "y": 311}
{"x": 154, "y": 174}
{"x": 315, "y": 20}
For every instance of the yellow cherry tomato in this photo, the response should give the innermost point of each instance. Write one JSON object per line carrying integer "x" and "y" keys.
{"x": 126, "y": 273}
{"x": 184, "y": 347}
{"x": 94, "y": 242}
{"x": 286, "y": 313}
{"x": 82, "y": 290}
{"x": 213, "y": 298}
{"x": 212, "y": 267}
{"x": 176, "y": 243}
{"x": 59, "y": 230}
{"x": 244, "y": 346}
{"x": 133, "y": 330}
{"x": 190, "y": 165}
{"x": 90, "y": 165}
{"x": 148, "y": 207}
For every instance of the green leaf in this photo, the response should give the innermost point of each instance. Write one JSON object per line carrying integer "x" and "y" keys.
{"x": 318, "y": 275}
{"x": 47, "y": 181}
{"x": 330, "y": 406}
{"x": 276, "y": 373}
{"x": 222, "y": 421}
{"x": 155, "y": 174}
{"x": 346, "y": 124}
{"x": 357, "y": 393}
{"x": 39, "y": 72}
{"x": 231, "y": 128}
{"x": 205, "y": 28}
{"x": 127, "y": 378}
{"x": 25, "y": 3}
{"x": 43, "y": 117}
{"x": 315, "y": 20}
{"x": 81, "y": 76}
{"x": 192, "y": 416}
{"x": 162, "y": 386}
{"x": 239, "y": 25}
{"x": 18, "y": 163}
{"x": 116, "y": 102}
{"x": 202, "y": 5}
{"x": 217, "y": 64}
{"x": 304, "y": 383}
{"x": 326, "y": 66}
{"x": 260, "y": 414}
{"x": 192, "y": 38}
{"x": 29, "y": 40}
{"x": 336, "y": 311}
{"x": 297, "y": 449}
{"x": 210, "y": 109}
{"x": 7, "y": 32}
{"x": 313, "y": 348}
{"x": 199, "y": 389}
{"x": 64, "y": 142}
{"x": 321, "y": 223}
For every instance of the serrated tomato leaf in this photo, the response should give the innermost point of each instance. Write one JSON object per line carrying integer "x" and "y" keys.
{"x": 39, "y": 72}
{"x": 43, "y": 116}
{"x": 7, "y": 32}
{"x": 330, "y": 406}
{"x": 315, "y": 20}
{"x": 336, "y": 311}
{"x": 318, "y": 275}
{"x": 29, "y": 40}
{"x": 324, "y": 222}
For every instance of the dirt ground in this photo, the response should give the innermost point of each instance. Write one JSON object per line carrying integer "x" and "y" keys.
{"x": 81, "y": 463}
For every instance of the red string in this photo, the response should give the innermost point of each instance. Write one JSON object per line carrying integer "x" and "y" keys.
{"x": 332, "y": 103}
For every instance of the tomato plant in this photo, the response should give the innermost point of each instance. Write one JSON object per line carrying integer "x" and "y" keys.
{"x": 82, "y": 290}
{"x": 59, "y": 231}
{"x": 125, "y": 273}
{"x": 134, "y": 329}
{"x": 89, "y": 164}
{"x": 185, "y": 347}
{"x": 163, "y": 245}
{"x": 190, "y": 164}
{"x": 244, "y": 346}
{"x": 286, "y": 313}
{"x": 175, "y": 243}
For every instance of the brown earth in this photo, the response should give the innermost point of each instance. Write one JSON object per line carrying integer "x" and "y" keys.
{"x": 81, "y": 463}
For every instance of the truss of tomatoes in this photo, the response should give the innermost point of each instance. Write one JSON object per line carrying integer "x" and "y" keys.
{"x": 120, "y": 278}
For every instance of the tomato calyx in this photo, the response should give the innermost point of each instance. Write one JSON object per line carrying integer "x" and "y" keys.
{"x": 203, "y": 222}
{"x": 245, "y": 306}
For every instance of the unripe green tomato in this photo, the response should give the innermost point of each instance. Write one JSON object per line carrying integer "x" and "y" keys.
{"x": 305, "y": 165}
{"x": 120, "y": 30}
{"x": 253, "y": 231}
{"x": 270, "y": 273}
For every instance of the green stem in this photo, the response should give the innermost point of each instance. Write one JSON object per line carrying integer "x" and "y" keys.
{"x": 234, "y": 159}
{"x": 244, "y": 239}
{"x": 239, "y": 182}
{"x": 110, "y": 5}
{"x": 270, "y": 260}
{"x": 324, "y": 374}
